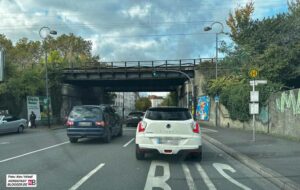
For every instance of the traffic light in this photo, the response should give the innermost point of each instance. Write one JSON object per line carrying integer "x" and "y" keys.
{"x": 154, "y": 73}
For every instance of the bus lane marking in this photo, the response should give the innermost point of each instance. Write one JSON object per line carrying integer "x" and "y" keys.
{"x": 158, "y": 181}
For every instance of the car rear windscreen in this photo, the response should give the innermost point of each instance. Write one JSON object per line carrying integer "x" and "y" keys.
{"x": 86, "y": 112}
{"x": 136, "y": 114}
{"x": 168, "y": 114}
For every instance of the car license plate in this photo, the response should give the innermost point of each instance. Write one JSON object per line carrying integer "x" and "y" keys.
{"x": 85, "y": 124}
{"x": 167, "y": 141}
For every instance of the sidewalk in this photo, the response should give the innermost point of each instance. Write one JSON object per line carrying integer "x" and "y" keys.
{"x": 44, "y": 127}
{"x": 278, "y": 154}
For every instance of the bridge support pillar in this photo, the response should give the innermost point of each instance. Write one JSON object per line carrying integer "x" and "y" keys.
{"x": 77, "y": 95}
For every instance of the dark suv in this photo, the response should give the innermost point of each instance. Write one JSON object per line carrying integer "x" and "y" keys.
{"x": 134, "y": 118}
{"x": 93, "y": 121}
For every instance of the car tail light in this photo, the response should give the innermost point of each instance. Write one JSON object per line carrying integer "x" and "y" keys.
{"x": 100, "y": 123}
{"x": 70, "y": 123}
{"x": 141, "y": 127}
{"x": 196, "y": 128}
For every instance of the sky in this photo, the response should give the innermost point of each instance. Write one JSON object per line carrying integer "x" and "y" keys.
{"x": 131, "y": 29}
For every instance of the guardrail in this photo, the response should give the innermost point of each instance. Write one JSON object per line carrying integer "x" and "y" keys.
{"x": 181, "y": 64}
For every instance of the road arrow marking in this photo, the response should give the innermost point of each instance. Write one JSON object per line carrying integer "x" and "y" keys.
{"x": 221, "y": 167}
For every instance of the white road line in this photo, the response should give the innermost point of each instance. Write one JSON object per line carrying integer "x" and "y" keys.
{"x": 188, "y": 177}
{"x": 32, "y": 152}
{"x": 205, "y": 178}
{"x": 127, "y": 129}
{"x": 82, "y": 180}
{"x": 212, "y": 130}
{"x": 128, "y": 142}
{"x": 221, "y": 167}
{"x": 2, "y": 143}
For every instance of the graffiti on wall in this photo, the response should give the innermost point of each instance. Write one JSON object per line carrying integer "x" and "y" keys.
{"x": 202, "y": 109}
{"x": 288, "y": 100}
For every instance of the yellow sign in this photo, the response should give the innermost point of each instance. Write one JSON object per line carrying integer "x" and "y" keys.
{"x": 253, "y": 73}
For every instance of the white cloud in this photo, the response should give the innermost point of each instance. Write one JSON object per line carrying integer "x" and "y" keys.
{"x": 137, "y": 11}
{"x": 129, "y": 30}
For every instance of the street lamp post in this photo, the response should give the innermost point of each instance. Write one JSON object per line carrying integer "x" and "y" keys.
{"x": 208, "y": 28}
{"x": 47, "y": 31}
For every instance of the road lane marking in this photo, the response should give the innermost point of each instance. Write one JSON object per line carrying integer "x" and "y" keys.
{"x": 32, "y": 152}
{"x": 126, "y": 129}
{"x": 3, "y": 143}
{"x": 205, "y": 178}
{"x": 82, "y": 180}
{"x": 211, "y": 130}
{"x": 158, "y": 181}
{"x": 221, "y": 167}
{"x": 188, "y": 177}
{"x": 128, "y": 142}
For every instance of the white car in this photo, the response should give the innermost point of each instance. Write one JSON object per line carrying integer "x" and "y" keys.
{"x": 168, "y": 130}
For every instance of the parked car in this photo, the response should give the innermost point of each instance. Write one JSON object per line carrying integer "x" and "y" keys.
{"x": 168, "y": 130}
{"x": 93, "y": 121}
{"x": 134, "y": 118}
{"x": 10, "y": 124}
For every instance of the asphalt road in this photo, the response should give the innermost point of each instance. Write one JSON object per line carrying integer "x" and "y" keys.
{"x": 92, "y": 164}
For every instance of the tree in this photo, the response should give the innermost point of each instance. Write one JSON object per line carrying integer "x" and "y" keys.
{"x": 170, "y": 100}
{"x": 25, "y": 67}
{"x": 272, "y": 45}
{"x": 239, "y": 21}
{"x": 142, "y": 104}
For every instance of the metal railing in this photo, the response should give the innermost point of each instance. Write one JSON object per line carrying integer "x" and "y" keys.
{"x": 180, "y": 64}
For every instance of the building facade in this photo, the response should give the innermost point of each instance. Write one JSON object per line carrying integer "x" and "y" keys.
{"x": 125, "y": 102}
{"x": 155, "y": 100}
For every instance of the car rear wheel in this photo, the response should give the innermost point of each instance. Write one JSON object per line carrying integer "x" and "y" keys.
{"x": 107, "y": 138}
{"x": 73, "y": 140}
{"x": 138, "y": 153}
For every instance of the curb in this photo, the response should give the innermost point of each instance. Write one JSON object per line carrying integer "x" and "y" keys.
{"x": 61, "y": 127}
{"x": 272, "y": 176}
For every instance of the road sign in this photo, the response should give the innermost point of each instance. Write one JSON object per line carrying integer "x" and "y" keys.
{"x": 254, "y": 96}
{"x": 253, "y": 73}
{"x": 256, "y": 82}
{"x": 254, "y": 108}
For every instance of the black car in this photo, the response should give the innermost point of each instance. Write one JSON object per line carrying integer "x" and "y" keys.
{"x": 93, "y": 121}
{"x": 134, "y": 118}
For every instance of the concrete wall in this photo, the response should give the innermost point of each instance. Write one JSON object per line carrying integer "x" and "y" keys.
{"x": 284, "y": 112}
{"x": 281, "y": 116}
{"x": 182, "y": 94}
{"x": 76, "y": 95}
